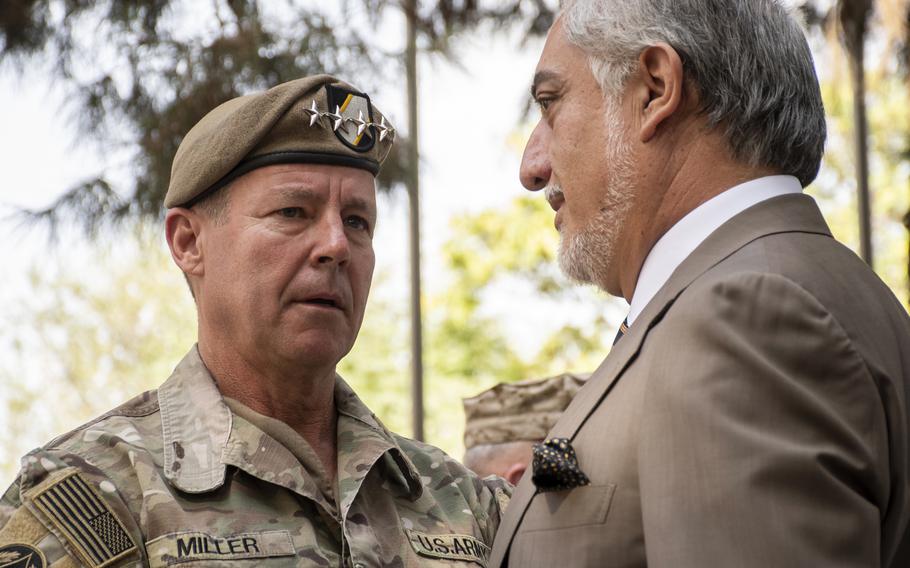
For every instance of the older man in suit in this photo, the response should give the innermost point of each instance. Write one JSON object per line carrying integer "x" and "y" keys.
{"x": 754, "y": 413}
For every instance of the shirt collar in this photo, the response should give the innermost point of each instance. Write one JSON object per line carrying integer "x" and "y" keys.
{"x": 364, "y": 441}
{"x": 197, "y": 428}
{"x": 690, "y": 231}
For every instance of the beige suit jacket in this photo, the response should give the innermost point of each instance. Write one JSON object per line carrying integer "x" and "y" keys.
{"x": 754, "y": 416}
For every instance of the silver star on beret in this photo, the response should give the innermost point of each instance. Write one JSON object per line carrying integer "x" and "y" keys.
{"x": 360, "y": 122}
{"x": 314, "y": 113}
{"x": 336, "y": 118}
{"x": 384, "y": 130}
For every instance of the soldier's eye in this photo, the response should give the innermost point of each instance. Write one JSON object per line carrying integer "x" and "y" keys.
{"x": 357, "y": 222}
{"x": 291, "y": 212}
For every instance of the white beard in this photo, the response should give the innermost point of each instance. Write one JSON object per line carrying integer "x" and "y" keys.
{"x": 586, "y": 256}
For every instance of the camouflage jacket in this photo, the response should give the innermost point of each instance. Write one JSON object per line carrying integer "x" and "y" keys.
{"x": 174, "y": 476}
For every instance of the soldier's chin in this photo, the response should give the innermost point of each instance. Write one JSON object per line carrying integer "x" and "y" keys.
{"x": 314, "y": 349}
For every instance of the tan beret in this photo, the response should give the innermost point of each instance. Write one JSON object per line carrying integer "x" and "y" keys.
{"x": 318, "y": 120}
{"x": 523, "y": 411}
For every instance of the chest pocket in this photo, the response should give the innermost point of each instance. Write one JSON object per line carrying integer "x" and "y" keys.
{"x": 579, "y": 507}
{"x": 177, "y": 548}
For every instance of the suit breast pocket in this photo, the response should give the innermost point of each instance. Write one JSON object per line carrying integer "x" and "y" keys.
{"x": 588, "y": 505}
{"x": 564, "y": 528}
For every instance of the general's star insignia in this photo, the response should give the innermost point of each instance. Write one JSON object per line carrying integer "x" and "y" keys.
{"x": 336, "y": 118}
{"x": 314, "y": 113}
{"x": 360, "y": 122}
{"x": 384, "y": 130}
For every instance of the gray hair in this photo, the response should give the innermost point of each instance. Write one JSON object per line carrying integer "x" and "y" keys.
{"x": 748, "y": 59}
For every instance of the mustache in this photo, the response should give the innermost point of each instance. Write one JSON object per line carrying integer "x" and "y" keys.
{"x": 552, "y": 192}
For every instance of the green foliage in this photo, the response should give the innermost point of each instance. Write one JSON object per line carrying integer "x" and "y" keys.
{"x": 86, "y": 335}
{"x": 519, "y": 240}
{"x": 378, "y": 365}
{"x": 889, "y": 125}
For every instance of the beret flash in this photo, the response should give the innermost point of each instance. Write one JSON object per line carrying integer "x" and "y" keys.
{"x": 313, "y": 120}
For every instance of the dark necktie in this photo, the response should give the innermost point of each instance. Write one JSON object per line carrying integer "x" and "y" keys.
{"x": 623, "y": 329}
{"x": 555, "y": 466}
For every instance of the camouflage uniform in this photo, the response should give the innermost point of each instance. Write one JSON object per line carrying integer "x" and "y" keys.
{"x": 522, "y": 411}
{"x": 175, "y": 476}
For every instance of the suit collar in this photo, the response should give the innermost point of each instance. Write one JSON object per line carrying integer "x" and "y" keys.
{"x": 683, "y": 238}
{"x": 784, "y": 214}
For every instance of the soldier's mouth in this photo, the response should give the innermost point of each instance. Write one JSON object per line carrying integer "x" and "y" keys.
{"x": 323, "y": 301}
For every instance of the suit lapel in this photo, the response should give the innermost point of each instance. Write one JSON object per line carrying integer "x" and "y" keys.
{"x": 784, "y": 214}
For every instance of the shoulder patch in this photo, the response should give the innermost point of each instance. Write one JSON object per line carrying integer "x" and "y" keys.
{"x": 84, "y": 519}
{"x": 21, "y": 555}
{"x": 449, "y": 546}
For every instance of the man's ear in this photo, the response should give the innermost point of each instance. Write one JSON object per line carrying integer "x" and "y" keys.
{"x": 183, "y": 229}
{"x": 515, "y": 471}
{"x": 661, "y": 87}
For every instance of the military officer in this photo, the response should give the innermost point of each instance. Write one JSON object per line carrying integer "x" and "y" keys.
{"x": 254, "y": 452}
{"x": 503, "y": 423}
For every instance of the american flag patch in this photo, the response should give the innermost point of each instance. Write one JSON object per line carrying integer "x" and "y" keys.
{"x": 75, "y": 508}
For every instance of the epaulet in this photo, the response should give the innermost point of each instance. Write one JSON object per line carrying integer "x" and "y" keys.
{"x": 138, "y": 406}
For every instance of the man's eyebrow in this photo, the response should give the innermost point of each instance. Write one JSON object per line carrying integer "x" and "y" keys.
{"x": 300, "y": 193}
{"x": 297, "y": 192}
{"x": 360, "y": 204}
{"x": 541, "y": 77}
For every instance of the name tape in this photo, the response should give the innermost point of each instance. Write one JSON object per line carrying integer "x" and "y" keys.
{"x": 450, "y": 546}
{"x": 174, "y": 548}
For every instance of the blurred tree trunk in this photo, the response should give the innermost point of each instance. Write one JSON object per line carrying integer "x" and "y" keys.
{"x": 413, "y": 178}
{"x": 853, "y": 16}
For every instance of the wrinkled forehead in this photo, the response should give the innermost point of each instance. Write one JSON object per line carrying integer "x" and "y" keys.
{"x": 309, "y": 182}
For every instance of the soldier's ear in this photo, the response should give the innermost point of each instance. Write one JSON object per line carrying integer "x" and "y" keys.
{"x": 183, "y": 230}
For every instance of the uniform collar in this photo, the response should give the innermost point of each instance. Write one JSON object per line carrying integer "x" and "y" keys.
{"x": 201, "y": 438}
{"x": 196, "y": 425}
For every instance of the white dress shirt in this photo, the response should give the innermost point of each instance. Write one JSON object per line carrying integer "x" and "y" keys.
{"x": 690, "y": 231}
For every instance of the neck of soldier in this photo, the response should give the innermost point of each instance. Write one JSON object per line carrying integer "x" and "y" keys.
{"x": 301, "y": 397}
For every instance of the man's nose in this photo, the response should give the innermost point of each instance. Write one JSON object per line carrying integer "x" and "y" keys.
{"x": 535, "y": 163}
{"x": 332, "y": 246}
